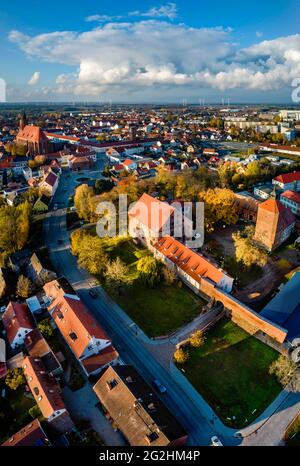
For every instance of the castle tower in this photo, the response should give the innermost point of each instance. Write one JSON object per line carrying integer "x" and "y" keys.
{"x": 274, "y": 224}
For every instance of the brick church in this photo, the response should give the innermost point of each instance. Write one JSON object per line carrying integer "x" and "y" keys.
{"x": 33, "y": 137}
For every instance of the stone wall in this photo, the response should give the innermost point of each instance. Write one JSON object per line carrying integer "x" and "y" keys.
{"x": 242, "y": 315}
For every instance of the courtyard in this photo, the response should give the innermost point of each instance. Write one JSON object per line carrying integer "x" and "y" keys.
{"x": 231, "y": 371}
{"x": 158, "y": 311}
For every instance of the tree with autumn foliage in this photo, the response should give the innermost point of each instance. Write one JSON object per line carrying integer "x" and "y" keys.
{"x": 219, "y": 207}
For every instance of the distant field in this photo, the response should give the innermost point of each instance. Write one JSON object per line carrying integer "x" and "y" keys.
{"x": 231, "y": 371}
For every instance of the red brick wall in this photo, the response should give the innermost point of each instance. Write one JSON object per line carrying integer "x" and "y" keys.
{"x": 242, "y": 315}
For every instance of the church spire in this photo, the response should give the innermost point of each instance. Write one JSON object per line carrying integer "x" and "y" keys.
{"x": 23, "y": 121}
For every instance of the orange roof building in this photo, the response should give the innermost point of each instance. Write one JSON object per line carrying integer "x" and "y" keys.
{"x": 31, "y": 435}
{"x": 33, "y": 137}
{"x": 85, "y": 337}
{"x": 18, "y": 322}
{"x": 151, "y": 219}
{"x": 274, "y": 224}
{"x": 288, "y": 181}
{"x": 47, "y": 394}
{"x": 191, "y": 266}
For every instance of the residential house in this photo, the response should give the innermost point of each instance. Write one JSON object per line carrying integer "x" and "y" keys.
{"x": 47, "y": 394}
{"x": 85, "y": 337}
{"x": 19, "y": 259}
{"x": 38, "y": 347}
{"x": 134, "y": 408}
{"x": 49, "y": 185}
{"x": 18, "y": 322}
{"x": 37, "y": 272}
{"x": 42, "y": 204}
{"x": 31, "y": 435}
{"x": 129, "y": 165}
{"x": 288, "y": 182}
{"x": 291, "y": 200}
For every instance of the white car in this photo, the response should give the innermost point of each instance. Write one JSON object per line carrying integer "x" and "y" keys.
{"x": 216, "y": 442}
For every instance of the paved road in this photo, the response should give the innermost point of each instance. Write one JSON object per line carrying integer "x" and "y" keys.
{"x": 182, "y": 399}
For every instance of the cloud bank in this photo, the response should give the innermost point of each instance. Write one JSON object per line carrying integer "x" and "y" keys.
{"x": 128, "y": 57}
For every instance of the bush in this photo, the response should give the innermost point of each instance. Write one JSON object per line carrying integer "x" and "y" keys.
{"x": 181, "y": 356}
{"x": 197, "y": 339}
{"x": 45, "y": 328}
{"x": 35, "y": 412}
{"x": 15, "y": 378}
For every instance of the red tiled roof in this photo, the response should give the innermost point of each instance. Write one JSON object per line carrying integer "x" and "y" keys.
{"x": 97, "y": 361}
{"x": 128, "y": 162}
{"x": 32, "y": 134}
{"x": 16, "y": 316}
{"x": 43, "y": 386}
{"x": 62, "y": 136}
{"x": 273, "y": 205}
{"x": 286, "y": 217}
{"x": 73, "y": 319}
{"x": 195, "y": 265}
{"x": 288, "y": 177}
{"x": 29, "y": 436}
{"x": 151, "y": 212}
{"x": 292, "y": 196}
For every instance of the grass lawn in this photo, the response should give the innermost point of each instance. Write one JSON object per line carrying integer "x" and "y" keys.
{"x": 14, "y": 411}
{"x": 231, "y": 371}
{"x": 157, "y": 311}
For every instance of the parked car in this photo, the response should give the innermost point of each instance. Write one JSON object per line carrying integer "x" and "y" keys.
{"x": 216, "y": 442}
{"x": 160, "y": 387}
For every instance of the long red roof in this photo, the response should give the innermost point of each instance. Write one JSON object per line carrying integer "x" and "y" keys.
{"x": 288, "y": 177}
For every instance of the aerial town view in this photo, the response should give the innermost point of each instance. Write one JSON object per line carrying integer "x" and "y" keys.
{"x": 149, "y": 226}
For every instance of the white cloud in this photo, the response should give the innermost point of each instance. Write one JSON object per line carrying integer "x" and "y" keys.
{"x": 159, "y": 56}
{"x": 259, "y": 34}
{"x": 165, "y": 11}
{"x": 102, "y": 18}
{"x": 34, "y": 78}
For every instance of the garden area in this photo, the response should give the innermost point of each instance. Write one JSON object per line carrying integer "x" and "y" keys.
{"x": 17, "y": 409}
{"x": 158, "y": 310}
{"x": 231, "y": 371}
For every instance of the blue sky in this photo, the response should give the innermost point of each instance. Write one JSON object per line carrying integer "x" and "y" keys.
{"x": 150, "y": 51}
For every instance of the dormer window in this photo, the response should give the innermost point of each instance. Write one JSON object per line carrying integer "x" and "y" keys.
{"x": 111, "y": 383}
{"x": 152, "y": 437}
{"x": 73, "y": 336}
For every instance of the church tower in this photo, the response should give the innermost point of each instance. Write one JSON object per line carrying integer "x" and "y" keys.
{"x": 23, "y": 121}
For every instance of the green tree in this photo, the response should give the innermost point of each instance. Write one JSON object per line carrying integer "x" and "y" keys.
{"x": 181, "y": 356}
{"x": 83, "y": 201}
{"x": 102, "y": 186}
{"x": 219, "y": 206}
{"x": 35, "y": 412}
{"x": 287, "y": 372}
{"x": 92, "y": 255}
{"x": 169, "y": 276}
{"x": 45, "y": 328}
{"x": 246, "y": 252}
{"x": 116, "y": 275}
{"x": 15, "y": 378}
{"x": 25, "y": 287}
{"x": 150, "y": 271}
{"x": 197, "y": 339}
